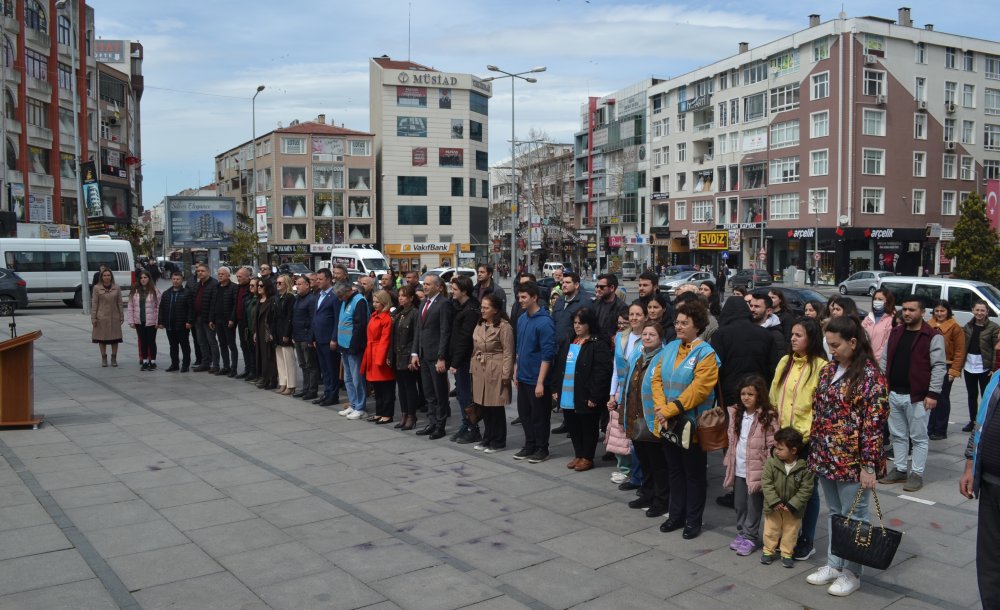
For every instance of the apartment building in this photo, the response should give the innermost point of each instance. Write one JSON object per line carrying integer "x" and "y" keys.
{"x": 848, "y": 145}
{"x": 317, "y": 181}
{"x": 431, "y": 147}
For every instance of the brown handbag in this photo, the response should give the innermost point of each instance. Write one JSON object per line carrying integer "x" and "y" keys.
{"x": 711, "y": 426}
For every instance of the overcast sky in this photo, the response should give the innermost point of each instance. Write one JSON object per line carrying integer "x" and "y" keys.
{"x": 205, "y": 58}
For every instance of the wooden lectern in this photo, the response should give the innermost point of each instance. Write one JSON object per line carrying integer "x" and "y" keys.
{"x": 17, "y": 382}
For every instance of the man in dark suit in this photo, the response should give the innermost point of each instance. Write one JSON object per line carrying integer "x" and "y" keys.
{"x": 324, "y": 329}
{"x": 202, "y": 311}
{"x": 433, "y": 340}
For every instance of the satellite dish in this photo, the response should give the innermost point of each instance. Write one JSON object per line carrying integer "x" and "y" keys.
{"x": 843, "y": 220}
{"x": 684, "y": 232}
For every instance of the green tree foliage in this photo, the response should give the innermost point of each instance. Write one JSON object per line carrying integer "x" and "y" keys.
{"x": 136, "y": 235}
{"x": 975, "y": 245}
{"x": 243, "y": 249}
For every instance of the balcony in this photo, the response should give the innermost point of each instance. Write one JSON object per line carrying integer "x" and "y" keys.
{"x": 40, "y": 86}
{"x": 11, "y": 76}
{"x": 38, "y": 38}
{"x": 41, "y": 180}
{"x": 39, "y": 136}
{"x": 11, "y": 26}
{"x": 695, "y": 103}
{"x": 13, "y": 126}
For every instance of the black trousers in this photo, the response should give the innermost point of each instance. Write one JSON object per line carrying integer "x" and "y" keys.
{"x": 436, "y": 393}
{"x": 406, "y": 383}
{"x": 385, "y": 398}
{"x": 536, "y": 416}
{"x": 228, "y": 349}
{"x": 688, "y": 470}
{"x": 937, "y": 421}
{"x": 305, "y": 353}
{"x": 178, "y": 340}
{"x": 583, "y": 427}
{"x": 656, "y": 475}
{"x": 988, "y": 546}
{"x": 246, "y": 346}
{"x": 205, "y": 337}
{"x": 494, "y": 427}
{"x": 146, "y": 337}
{"x": 975, "y": 384}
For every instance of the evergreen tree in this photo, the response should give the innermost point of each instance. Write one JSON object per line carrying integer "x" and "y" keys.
{"x": 975, "y": 245}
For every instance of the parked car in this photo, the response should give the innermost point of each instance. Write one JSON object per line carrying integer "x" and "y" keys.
{"x": 549, "y": 268}
{"x": 446, "y": 273}
{"x": 863, "y": 282}
{"x": 675, "y": 269}
{"x": 748, "y": 279}
{"x": 13, "y": 292}
{"x": 630, "y": 270}
{"x": 796, "y": 298}
{"x": 961, "y": 294}
{"x": 670, "y": 284}
{"x": 293, "y": 268}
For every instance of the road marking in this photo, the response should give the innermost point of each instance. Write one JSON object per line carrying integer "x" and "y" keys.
{"x": 920, "y": 500}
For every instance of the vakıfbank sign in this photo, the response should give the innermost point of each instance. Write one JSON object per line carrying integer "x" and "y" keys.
{"x": 429, "y": 247}
{"x": 430, "y": 78}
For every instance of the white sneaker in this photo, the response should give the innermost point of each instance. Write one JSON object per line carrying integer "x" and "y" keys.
{"x": 355, "y": 414}
{"x": 346, "y": 411}
{"x": 618, "y": 477}
{"x": 846, "y": 584}
{"x": 479, "y": 447}
{"x": 823, "y": 576}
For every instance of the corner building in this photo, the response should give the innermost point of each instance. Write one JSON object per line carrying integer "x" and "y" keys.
{"x": 431, "y": 149}
{"x": 849, "y": 145}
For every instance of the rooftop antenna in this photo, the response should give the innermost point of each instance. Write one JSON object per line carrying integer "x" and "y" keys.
{"x": 409, "y": 19}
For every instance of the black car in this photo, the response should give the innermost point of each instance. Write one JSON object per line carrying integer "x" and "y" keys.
{"x": 796, "y": 298}
{"x": 748, "y": 279}
{"x": 13, "y": 292}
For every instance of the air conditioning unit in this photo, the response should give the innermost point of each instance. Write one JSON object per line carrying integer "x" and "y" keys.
{"x": 880, "y": 100}
{"x": 950, "y": 145}
{"x": 949, "y": 107}
{"x": 870, "y": 59}
{"x": 921, "y": 105}
{"x": 326, "y": 158}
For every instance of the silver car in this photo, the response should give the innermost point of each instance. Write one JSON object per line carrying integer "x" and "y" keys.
{"x": 670, "y": 284}
{"x": 863, "y": 282}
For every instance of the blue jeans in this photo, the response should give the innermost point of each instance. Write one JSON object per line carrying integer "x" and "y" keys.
{"x": 463, "y": 391}
{"x": 839, "y": 499}
{"x": 635, "y": 477}
{"x": 353, "y": 381}
{"x": 810, "y": 517}
{"x": 908, "y": 425}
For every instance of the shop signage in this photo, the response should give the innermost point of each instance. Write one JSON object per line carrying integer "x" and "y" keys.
{"x": 615, "y": 241}
{"x": 891, "y": 246}
{"x": 713, "y": 240}
{"x": 430, "y": 247}
{"x": 801, "y": 233}
{"x": 744, "y": 225}
{"x": 283, "y": 249}
{"x": 734, "y": 240}
{"x": 659, "y": 196}
{"x": 419, "y": 78}
{"x": 879, "y": 233}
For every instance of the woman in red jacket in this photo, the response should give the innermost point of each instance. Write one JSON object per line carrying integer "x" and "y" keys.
{"x": 375, "y": 364}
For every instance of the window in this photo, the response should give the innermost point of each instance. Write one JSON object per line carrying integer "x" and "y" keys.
{"x": 872, "y": 162}
{"x": 966, "y": 168}
{"x": 919, "y": 164}
{"x": 947, "y": 203}
{"x": 723, "y": 81}
{"x": 919, "y": 126}
{"x": 919, "y": 201}
{"x": 482, "y": 161}
{"x": 819, "y": 201}
{"x": 968, "y": 96}
{"x": 874, "y": 82}
{"x": 992, "y": 67}
{"x": 873, "y": 201}
{"x": 875, "y": 42}
{"x": 784, "y": 170}
{"x": 723, "y": 116}
{"x": 992, "y": 101}
{"x": 969, "y": 61}
{"x": 666, "y": 155}
{"x": 819, "y": 163}
{"x": 722, "y": 144}
{"x": 991, "y": 169}
{"x": 920, "y": 89}
{"x": 479, "y": 103}
{"x": 734, "y": 111}
{"x": 326, "y": 177}
{"x": 680, "y": 210}
{"x": 755, "y": 139}
{"x": 968, "y": 132}
{"x": 666, "y": 126}
{"x": 991, "y": 137}
{"x": 785, "y": 134}
{"x": 38, "y": 113}
{"x": 949, "y": 57}
{"x": 682, "y": 152}
{"x": 948, "y": 168}
{"x": 361, "y": 148}
{"x": 949, "y": 91}
{"x": 657, "y": 129}
{"x": 657, "y": 157}
{"x": 681, "y": 122}
{"x": 753, "y": 107}
{"x": 785, "y": 63}
{"x": 475, "y": 131}
{"x": 457, "y": 129}
{"x": 785, "y": 207}
{"x": 819, "y": 124}
{"x": 36, "y": 65}
{"x": 34, "y": 16}
{"x": 873, "y": 122}
{"x": 451, "y": 157}
{"x": 411, "y": 186}
{"x": 456, "y": 187}
{"x": 821, "y": 50}
{"x": 785, "y": 97}
{"x": 754, "y": 72}
{"x": 444, "y": 215}
{"x": 820, "y": 85}
{"x": 658, "y": 104}
{"x": 949, "y": 130}
{"x": 484, "y": 192}
{"x": 472, "y": 187}
{"x": 411, "y": 215}
{"x": 293, "y": 146}
{"x": 701, "y": 211}
{"x": 63, "y": 29}
{"x": 359, "y": 179}
{"x": 921, "y": 57}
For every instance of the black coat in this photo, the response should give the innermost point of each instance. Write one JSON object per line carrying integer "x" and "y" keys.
{"x": 175, "y": 309}
{"x": 404, "y": 337}
{"x": 282, "y": 320}
{"x": 607, "y": 316}
{"x": 743, "y": 348}
{"x": 222, "y": 305}
{"x": 302, "y": 317}
{"x": 207, "y": 300}
{"x": 592, "y": 377}
{"x": 464, "y": 320}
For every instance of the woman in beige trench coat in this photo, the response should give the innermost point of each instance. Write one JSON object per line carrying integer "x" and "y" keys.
{"x": 107, "y": 315}
{"x": 492, "y": 371}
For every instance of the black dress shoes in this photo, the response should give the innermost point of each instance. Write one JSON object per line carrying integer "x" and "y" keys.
{"x": 640, "y": 503}
{"x": 691, "y": 532}
{"x": 437, "y": 433}
{"x": 299, "y": 394}
{"x": 671, "y": 525}
{"x": 232, "y": 373}
{"x": 172, "y": 368}
{"x": 309, "y": 396}
{"x": 560, "y": 429}
{"x": 427, "y": 430}
{"x": 327, "y": 402}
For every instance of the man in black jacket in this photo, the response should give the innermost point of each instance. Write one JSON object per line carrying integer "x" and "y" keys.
{"x": 223, "y": 324}
{"x": 239, "y": 322}
{"x": 608, "y": 306}
{"x": 203, "y": 297}
{"x": 486, "y": 285}
{"x": 743, "y": 347}
{"x": 175, "y": 317}
{"x": 302, "y": 337}
{"x": 465, "y": 316}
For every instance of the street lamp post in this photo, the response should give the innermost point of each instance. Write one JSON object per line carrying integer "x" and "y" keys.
{"x": 81, "y": 215}
{"x": 253, "y": 147}
{"x": 513, "y": 170}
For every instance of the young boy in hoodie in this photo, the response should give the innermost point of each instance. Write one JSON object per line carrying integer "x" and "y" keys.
{"x": 787, "y": 484}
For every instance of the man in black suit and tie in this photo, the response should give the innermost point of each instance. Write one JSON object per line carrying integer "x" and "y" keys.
{"x": 433, "y": 340}
{"x": 324, "y": 328}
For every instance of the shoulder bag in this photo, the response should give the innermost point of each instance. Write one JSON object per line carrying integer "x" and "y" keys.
{"x": 864, "y": 543}
{"x": 710, "y": 427}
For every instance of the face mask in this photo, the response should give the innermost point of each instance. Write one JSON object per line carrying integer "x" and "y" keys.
{"x": 878, "y": 305}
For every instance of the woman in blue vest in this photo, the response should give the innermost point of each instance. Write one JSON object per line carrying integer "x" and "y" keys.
{"x": 626, "y": 342}
{"x": 638, "y": 418}
{"x": 684, "y": 386}
{"x": 583, "y": 371}
{"x": 352, "y": 333}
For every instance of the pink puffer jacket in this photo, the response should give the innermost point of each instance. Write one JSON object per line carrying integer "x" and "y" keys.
{"x": 759, "y": 446}
{"x": 615, "y": 440}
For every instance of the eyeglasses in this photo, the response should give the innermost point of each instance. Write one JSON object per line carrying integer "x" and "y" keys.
{"x": 600, "y": 285}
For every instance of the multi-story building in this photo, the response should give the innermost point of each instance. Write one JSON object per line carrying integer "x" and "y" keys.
{"x": 848, "y": 145}
{"x": 39, "y": 81}
{"x": 611, "y": 168}
{"x": 431, "y": 146}
{"x": 318, "y": 182}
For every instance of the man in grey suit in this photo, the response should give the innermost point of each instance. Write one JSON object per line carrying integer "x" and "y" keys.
{"x": 433, "y": 340}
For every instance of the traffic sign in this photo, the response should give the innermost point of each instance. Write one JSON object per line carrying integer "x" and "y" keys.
{"x": 725, "y": 256}
{"x": 816, "y": 256}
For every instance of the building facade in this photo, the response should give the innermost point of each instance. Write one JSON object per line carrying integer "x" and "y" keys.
{"x": 39, "y": 81}
{"x": 847, "y": 146}
{"x": 431, "y": 147}
{"x": 317, "y": 181}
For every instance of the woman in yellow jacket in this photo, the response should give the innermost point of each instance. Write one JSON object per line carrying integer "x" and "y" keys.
{"x": 954, "y": 355}
{"x": 684, "y": 386}
{"x": 792, "y": 390}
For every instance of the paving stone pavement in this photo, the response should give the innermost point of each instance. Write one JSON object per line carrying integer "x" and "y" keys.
{"x": 155, "y": 489}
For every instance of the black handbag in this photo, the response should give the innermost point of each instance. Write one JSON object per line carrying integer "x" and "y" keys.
{"x": 677, "y": 431}
{"x": 861, "y": 542}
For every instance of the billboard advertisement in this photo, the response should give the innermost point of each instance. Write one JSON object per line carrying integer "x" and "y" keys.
{"x": 200, "y": 222}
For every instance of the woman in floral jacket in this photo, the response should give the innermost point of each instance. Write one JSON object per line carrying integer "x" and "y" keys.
{"x": 849, "y": 410}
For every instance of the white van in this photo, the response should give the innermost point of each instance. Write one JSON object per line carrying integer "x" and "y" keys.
{"x": 630, "y": 270}
{"x": 549, "y": 269}
{"x": 960, "y": 294}
{"x": 361, "y": 260}
{"x": 51, "y": 267}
